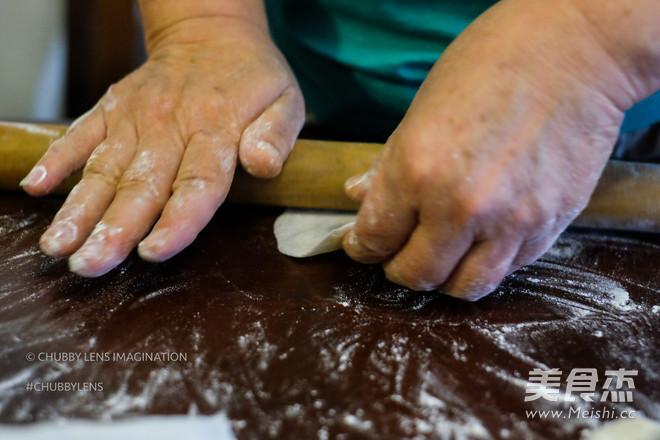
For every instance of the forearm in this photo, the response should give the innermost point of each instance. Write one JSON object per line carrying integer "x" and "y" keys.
{"x": 566, "y": 47}
{"x": 630, "y": 33}
{"x": 185, "y": 21}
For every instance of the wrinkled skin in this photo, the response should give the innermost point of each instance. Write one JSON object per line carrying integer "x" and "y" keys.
{"x": 499, "y": 151}
{"x": 167, "y": 138}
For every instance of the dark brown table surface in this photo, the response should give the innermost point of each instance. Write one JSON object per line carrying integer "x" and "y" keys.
{"x": 325, "y": 347}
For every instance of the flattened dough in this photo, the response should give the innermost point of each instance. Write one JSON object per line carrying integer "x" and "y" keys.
{"x": 304, "y": 233}
{"x": 638, "y": 428}
{"x": 215, "y": 427}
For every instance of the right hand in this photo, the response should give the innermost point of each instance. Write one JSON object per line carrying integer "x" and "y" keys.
{"x": 499, "y": 151}
{"x": 165, "y": 141}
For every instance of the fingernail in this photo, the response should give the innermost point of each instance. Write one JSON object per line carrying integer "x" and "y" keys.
{"x": 57, "y": 236}
{"x": 35, "y": 177}
{"x": 89, "y": 265}
{"x": 357, "y": 186}
{"x": 78, "y": 264}
{"x": 150, "y": 249}
{"x": 354, "y": 181}
{"x": 95, "y": 258}
{"x": 89, "y": 255}
{"x": 271, "y": 153}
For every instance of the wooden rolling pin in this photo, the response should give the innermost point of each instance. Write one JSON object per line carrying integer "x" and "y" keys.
{"x": 627, "y": 195}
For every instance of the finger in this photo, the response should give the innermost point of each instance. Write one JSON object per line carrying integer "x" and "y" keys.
{"x": 482, "y": 269}
{"x": 356, "y": 187}
{"x": 141, "y": 195}
{"x": 268, "y": 140}
{"x": 201, "y": 186}
{"x": 532, "y": 249}
{"x": 384, "y": 223}
{"x": 429, "y": 257}
{"x": 67, "y": 154}
{"x": 90, "y": 198}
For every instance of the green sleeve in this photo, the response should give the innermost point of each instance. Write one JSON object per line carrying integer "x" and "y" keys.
{"x": 360, "y": 62}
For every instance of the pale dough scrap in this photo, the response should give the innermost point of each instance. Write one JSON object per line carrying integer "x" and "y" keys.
{"x": 639, "y": 428}
{"x": 215, "y": 427}
{"x": 303, "y": 233}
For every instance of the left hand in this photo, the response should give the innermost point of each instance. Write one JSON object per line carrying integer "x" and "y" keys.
{"x": 161, "y": 146}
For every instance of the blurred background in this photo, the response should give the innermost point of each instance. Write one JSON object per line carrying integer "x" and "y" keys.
{"x": 59, "y": 56}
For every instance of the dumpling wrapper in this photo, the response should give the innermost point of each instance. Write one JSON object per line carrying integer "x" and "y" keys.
{"x": 215, "y": 427}
{"x": 637, "y": 428}
{"x": 304, "y": 233}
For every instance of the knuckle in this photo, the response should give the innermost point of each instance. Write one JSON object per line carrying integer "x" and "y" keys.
{"x": 413, "y": 168}
{"x": 80, "y": 122}
{"x": 212, "y": 106}
{"x": 160, "y": 103}
{"x": 141, "y": 184}
{"x": 298, "y": 106}
{"x": 526, "y": 215}
{"x": 373, "y": 241}
{"x": 472, "y": 289}
{"x": 373, "y": 245}
{"x": 103, "y": 171}
{"x": 195, "y": 181}
{"x": 142, "y": 177}
{"x": 62, "y": 149}
{"x": 536, "y": 217}
{"x": 109, "y": 101}
{"x": 291, "y": 105}
{"x": 216, "y": 105}
{"x": 524, "y": 260}
{"x": 419, "y": 271}
{"x": 473, "y": 209}
{"x": 416, "y": 279}
{"x": 363, "y": 252}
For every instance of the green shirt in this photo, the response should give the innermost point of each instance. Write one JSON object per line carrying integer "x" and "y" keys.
{"x": 360, "y": 62}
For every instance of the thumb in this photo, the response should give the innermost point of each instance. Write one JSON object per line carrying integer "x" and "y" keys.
{"x": 356, "y": 187}
{"x": 268, "y": 140}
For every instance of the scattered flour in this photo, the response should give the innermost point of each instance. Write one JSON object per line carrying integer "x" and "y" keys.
{"x": 215, "y": 427}
{"x": 420, "y": 399}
